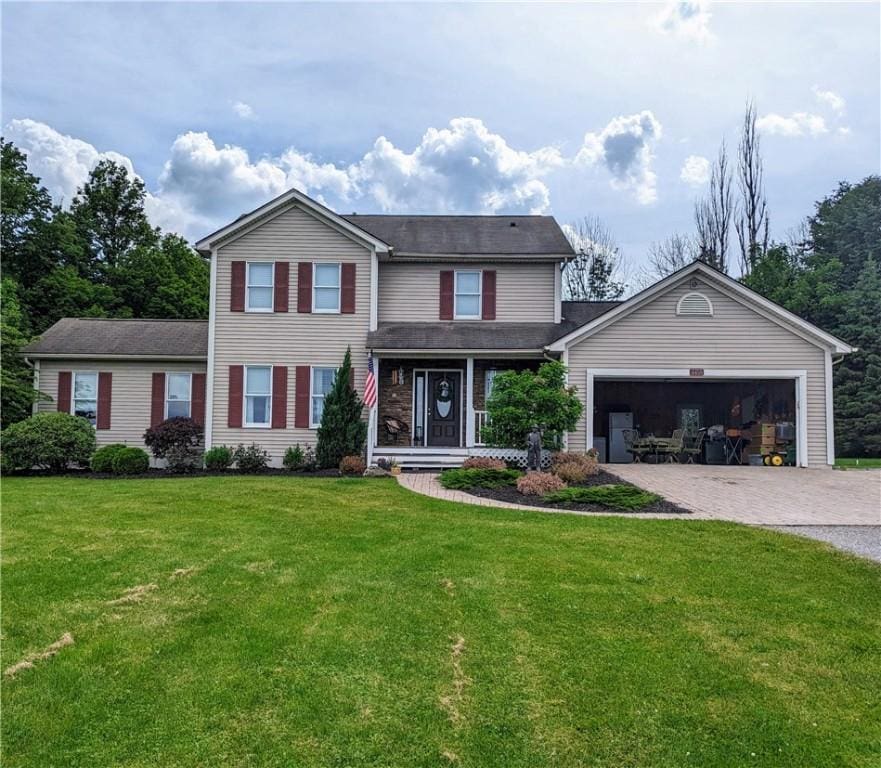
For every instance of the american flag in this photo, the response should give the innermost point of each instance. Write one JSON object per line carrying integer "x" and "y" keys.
{"x": 370, "y": 385}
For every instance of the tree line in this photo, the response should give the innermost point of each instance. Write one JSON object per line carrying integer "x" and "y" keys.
{"x": 99, "y": 258}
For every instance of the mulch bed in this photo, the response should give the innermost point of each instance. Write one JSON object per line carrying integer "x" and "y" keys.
{"x": 511, "y": 495}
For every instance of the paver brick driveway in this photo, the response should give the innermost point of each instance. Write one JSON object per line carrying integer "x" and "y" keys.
{"x": 764, "y": 495}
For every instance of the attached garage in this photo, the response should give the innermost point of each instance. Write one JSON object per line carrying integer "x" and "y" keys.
{"x": 700, "y": 338}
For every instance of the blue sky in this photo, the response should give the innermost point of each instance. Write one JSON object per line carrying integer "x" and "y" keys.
{"x": 602, "y": 109}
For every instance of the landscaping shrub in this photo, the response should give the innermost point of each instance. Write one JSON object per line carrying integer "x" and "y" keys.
{"x": 49, "y": 441}
{"x": 342, "y": 432}
{"x": 626, "y": 497}
{"x": 352, "y": 465}
{"x": 131, "y": 461}
{"x": 574, "y": 467}
{"x": 310, "y": 463}
{"x": 539, "y": 483}
{"x": 173, "y": 433}
{"x": 483, "y": 462}
{"x": 293, "y": 458}
{"x": 251, "y": 459}
{"x": 183, "y": 459}
{"x": 219, "y": 458}
{"x": 464, "y": 479}
{"x": 102, "y": 459}
{"x": 384, "y": 464}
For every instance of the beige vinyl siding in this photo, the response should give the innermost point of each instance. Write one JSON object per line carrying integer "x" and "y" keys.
{"x": 132, "y": 392}
{"x": 410, "y": 292}
{"x": 653, "y": 336}
{"x": 286, "y": 338}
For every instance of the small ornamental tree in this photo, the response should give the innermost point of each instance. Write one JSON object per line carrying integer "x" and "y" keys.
{"x": 342, "y": 432}
{"x": 521, "y": 400}
{"x": 177, "y": 441}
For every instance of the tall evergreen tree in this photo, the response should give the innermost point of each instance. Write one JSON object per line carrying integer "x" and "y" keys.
{"x": 342, "y": 432}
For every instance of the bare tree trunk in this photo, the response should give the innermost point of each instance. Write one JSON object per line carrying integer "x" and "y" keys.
{"x": 753, "y": 222}
{"x": 598, "y": 272}
{"x": 713, "y": 214}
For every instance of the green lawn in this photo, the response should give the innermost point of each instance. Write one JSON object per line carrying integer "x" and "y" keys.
{"x": 348, "y": 622}
{"x": 858, "y": 463}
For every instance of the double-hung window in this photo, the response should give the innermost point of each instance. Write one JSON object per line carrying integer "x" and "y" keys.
{"x": 258, "y": 395}
{"x": 467, "y": 295}
{"x": 178, "y": 395}
{"x": 322, "y": 381}
{"x": 326, "y": 288}
{"x": 85, "y": 396}
{"x": 260, "y": 286}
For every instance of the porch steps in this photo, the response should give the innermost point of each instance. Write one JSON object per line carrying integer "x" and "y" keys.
{"x": 423, "y": 458}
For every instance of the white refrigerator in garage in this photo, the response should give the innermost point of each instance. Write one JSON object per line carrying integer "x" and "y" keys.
{"x": 618, "y": 453}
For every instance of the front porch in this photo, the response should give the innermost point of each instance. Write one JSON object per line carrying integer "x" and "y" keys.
{"x": 431, "y": 411}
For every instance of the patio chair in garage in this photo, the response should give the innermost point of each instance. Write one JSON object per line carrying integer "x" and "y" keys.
{"x": 633, "y": 445}
{"x": 671, "y": 448}
{"x": 693, "y": 445}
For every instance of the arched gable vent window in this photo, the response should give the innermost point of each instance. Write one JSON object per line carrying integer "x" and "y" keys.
{"x": 694, "y": 305}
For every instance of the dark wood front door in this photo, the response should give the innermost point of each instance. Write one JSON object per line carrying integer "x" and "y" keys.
{"x": 444, "y": 391}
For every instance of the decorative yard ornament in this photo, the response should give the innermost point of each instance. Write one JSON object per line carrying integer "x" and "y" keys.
{"x": 533, "y": 449}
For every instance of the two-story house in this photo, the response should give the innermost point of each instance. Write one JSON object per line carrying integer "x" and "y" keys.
{"x": 442, "y": 303}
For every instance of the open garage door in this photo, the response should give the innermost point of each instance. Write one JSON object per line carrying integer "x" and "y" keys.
{"x": 658, "y": 401}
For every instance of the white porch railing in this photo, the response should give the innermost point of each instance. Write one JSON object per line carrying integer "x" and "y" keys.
{"x": 481, "y": 419}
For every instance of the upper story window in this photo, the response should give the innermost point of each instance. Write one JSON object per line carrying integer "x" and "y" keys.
{"x": 85, "y": 396}
{"x": 326, "y": 288}
{"x": 322, "y": 382}
{"x": 258, "y": 395}
{"x": 467, "y": 295}
{"x": 695, "y": 304}
{"x": 259, "y": 282}
{"x": 178, "y": 395}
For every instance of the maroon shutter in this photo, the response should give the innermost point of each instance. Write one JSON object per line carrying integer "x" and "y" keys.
{"x": 157, "y": 400}
{"x": 347, "y": 291}
{"x": 279, "y": 396}
{"x": 446, "y": 294}
{"x": 237, "y": 287}
{"x": 304, "y": 286}
{"x": 197, "y": 406}
{"x": 301, "y": 397}
{"x": 105, "y": 398}
{"x": 282, "y": 286}
{"x": 63, "y": 402}
{"x": 488, "y": 301}
{"x": 236, "y": 395}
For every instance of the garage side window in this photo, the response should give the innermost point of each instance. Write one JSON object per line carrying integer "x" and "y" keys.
{"x": 695, "y": 304}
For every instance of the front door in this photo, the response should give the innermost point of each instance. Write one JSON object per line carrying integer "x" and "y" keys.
{"x": 443, "y": 407}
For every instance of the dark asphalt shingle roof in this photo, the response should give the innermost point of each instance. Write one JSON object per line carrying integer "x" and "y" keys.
{"x": 484, "y": 335}
{"x": 465, "y": 235}
{"x": 101, "y": 337}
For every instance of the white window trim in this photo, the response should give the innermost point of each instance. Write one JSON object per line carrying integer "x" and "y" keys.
{"x": 456, "y": 314}
{"x": 688, "y": 295}
{"x": 73, "y": 398}
{"x": 245, "y": 423}
{"x": 271, "y": 286}
{"x": 312, "y": 369}
{"x": 168, "y": 374}
{"x": 339, "y": 288}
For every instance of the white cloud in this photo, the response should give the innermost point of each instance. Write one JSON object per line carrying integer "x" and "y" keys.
{"x": 686, "y": 19}
{"x": 244, "y": 111}
{"x": 830, "y": 99}
{"x": 695, "y": 171}
{"x": 463, "y": 168}
{"x": 624, "y": 146}
{"x": 797, "y": 124}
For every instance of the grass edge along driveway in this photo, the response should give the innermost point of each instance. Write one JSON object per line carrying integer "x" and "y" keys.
{"x": 284, "y": 621}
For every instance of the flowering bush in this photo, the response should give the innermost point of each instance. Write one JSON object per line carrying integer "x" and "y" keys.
{"x": 483, "y": 462}
{"x": 539, "y": 483}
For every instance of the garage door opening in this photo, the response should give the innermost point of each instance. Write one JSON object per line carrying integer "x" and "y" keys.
{"x": 726, "y": 420}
